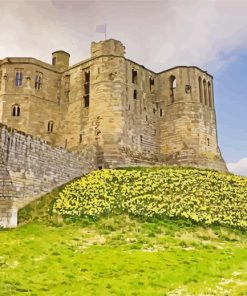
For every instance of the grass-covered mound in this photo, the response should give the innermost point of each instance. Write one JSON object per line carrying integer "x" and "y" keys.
{"x": 122, "y": 256}
{"x": 203, "y": 196}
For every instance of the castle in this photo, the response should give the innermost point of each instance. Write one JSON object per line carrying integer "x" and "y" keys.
{"x": 108, "y": 104}
{"x": 104, "y": 112}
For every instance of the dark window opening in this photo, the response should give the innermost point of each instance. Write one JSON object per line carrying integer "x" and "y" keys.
{"x": 87, "y": 89}
{"x": 50, "y": 126}
{"x": 208, "y": 141}
{"x": 151, "y": 84}
{"x": 54, "y": 60}
{"x": 161, "y": 112}
{"x": 129, "y": 106}
{"x": 209, "y": 95}
{"x": 146, "y": 118}
{"x": 173, "y": 85}
{"x": 134, "y": 76}
{"x": 200, "y": 89}
{"x": 141, "y": 138}
{"x": 100, "y": 167}
{"x": 65, "y": 143}
{"x": 86, "y": 101}
{"x": 154, "y": 110}
{"x": 80, "y": 138}
{"x": 16, "y": 111}
{"x": 205, "y": 92}
{"x": 18, "y": 78}
{"x": 135, "y": 94}
{"x": 155, "y": 132}
{"x": 38, "y": 81}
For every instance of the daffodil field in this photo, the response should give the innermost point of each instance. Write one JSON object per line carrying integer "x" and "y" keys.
{"x": 204, "y": 196}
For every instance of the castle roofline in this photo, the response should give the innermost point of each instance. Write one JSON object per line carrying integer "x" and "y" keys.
{"x": 29, "y": 60}
{"x": 194, "y": 67}
{"x": 61, "y": 51}
{"x": 34, "y": 61}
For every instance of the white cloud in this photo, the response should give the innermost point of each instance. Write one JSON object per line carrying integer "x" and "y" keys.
{"x": 239, "y": 167}
{"x": 157, "y": 34}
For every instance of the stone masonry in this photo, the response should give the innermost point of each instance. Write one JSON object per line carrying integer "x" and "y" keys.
{"x": 29, "y": 168}
{"x": 110, "y": 110}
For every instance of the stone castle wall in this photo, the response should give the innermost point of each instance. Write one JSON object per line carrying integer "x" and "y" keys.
{"x": 29, "y": 167}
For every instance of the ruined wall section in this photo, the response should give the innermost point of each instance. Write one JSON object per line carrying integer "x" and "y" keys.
{"x": 188, "y": 127}
{"x": 30, "y": 167}
{"x": 141, "y": 116}
{"x": 74, "y": 120}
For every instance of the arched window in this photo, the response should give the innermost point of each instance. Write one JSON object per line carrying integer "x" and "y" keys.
{"x": 200, "y": 89}
{"x": 50, "y": 126}
{"x": 16, "y": 111}
{"x": 172, "y": 86}
{"x": 205, "y": 92}
{"x": 209, "y": 95}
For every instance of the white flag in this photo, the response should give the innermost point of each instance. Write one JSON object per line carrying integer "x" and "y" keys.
{"x": 101, "y": 28}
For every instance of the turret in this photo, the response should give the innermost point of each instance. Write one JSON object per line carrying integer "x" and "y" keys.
{"x": 107, "y": 47}
{"x": 60, "y": 59}
{"x": 188, "y": 134}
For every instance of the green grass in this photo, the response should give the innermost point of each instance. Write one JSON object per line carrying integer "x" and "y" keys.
{"x": 119, "y": 255}
{"x": 122, "y": 256}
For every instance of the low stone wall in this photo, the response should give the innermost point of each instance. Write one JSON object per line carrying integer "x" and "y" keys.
{"x": 30, "y": 167}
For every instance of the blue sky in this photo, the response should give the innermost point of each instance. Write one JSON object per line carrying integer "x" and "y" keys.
{"x": 230, "y": 88}
{"x": 211, "y": 34}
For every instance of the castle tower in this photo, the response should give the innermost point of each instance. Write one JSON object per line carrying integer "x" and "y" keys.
{"x": 188, "y": 133}
{"x": 105, "y": 123}
{"x": 60, "y": 59}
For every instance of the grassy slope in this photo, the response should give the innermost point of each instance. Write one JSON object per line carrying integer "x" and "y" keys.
{"x": 119, "y": 256}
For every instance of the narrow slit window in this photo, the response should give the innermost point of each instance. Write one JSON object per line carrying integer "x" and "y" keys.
{"x": 173, "y": 85}
{"x": 209, "y": 95}
{"x": 135, "y": 94}
{"x": 151, "y": 84}
{"x": 161, "y": 112}
{"x": 200, "y": 89}
{"x": 141, "y": 138}
{"x": 134, "y": 76}
{"x": 80, "y": 138}
{"x": 205, "y": 92}
{"x": 86, "y": 89}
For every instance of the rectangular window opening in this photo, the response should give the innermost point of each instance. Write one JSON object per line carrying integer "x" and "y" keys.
{"x": 38, "y": 80}
{"x": 86, "y": 89}
{"x": 134, "y": 76}
{"x": 151, "y": 84}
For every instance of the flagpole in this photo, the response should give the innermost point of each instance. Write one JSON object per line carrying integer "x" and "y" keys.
{"x": 105, "y": 31}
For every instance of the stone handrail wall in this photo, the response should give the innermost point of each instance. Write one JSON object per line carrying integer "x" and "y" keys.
{"x": 30, "y": 167}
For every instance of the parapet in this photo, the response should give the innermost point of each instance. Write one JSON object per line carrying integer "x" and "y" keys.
{"x": 60, "y": 59}
{"x": 107, "y": 47}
